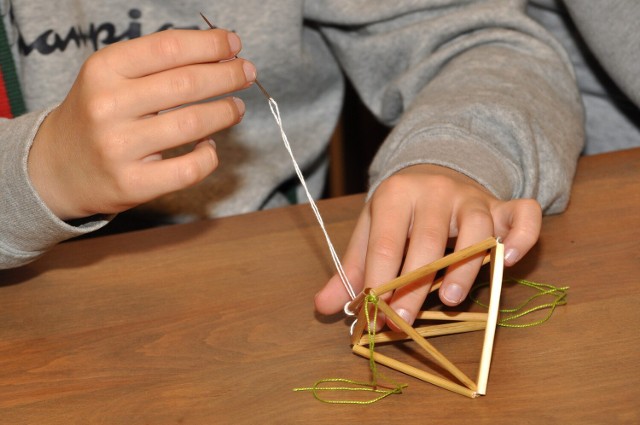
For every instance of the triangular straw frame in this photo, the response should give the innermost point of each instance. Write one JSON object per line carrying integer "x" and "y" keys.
{"x": 462, "y": 322}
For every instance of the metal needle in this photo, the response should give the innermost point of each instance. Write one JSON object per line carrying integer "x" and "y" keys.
{"x": 262, "y": 89}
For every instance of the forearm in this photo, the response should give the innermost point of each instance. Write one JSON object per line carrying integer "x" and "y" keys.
{"x": 480, "y": 88}
{"x": 27, "y": 227}
{"x": 513, "y": 123}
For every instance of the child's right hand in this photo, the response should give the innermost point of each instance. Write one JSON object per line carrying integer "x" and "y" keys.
{"x": 99, "y": 151}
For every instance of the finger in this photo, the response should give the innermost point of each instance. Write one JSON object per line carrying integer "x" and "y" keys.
{"x": 168, "y": 49}
{"x": 179, "y": 86}
{"x": 333, "y": 296}
{"x": 427, "y": 243}
{"x": 518, "y": 222}
{"x": 475, "y": 224}
{"x": 148, "y": 180}
{"x": 391, "y": 216}
{"x": 183, "y": 125}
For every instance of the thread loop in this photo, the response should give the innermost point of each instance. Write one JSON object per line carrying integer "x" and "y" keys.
{"x": 558, "y": 295}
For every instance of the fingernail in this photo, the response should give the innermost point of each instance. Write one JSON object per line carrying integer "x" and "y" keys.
{"x": 240, "y": 105}
{"x": 206, "y": 141}
{"x": 249, "y": 71}
{"x": 453, "y": 293}
{"x": 405, "y": 315}
{"x": 234, "y": 42}
{"x": 152, "y": 157}
{"x": 511, "y": 257}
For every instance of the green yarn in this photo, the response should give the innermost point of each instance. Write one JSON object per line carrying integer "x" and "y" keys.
{"x": 374, "y": 386}
{"x": 363, "y": 387}
{"x": 558, "y": 295}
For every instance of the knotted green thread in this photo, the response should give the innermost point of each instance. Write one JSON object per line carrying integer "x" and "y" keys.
{"x": 371, "y": 299}
{"x": 364, "y": 387}
{"x": 559, "y": 295}
{"x": 374, "y": 386}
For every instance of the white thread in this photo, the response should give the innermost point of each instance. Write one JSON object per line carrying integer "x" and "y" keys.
{"x": 336, "y": 260}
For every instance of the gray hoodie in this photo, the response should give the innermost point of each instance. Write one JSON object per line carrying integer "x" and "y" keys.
{"x": 603, "y": 42}
{"x": 475, "y": 86}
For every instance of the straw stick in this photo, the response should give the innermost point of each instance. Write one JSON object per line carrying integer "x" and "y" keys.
{"x": 426, "y": 332}
{"x": 415, "y": 372}
{"x": 438, "y": 282}
{"x": 435, "y": 266}
{"x": 452, "y": 315}
{"x": 360, "y": 326}
{"x": 355, "y": 304}
{"x": 439, "y": 357}
{"x": 497, "y": 266}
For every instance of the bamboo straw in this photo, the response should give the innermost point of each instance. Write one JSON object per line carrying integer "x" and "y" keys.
{"x": 426, "y": 332}
{"x": 438, "y": 282}
{"x": 361, "y": 325}
{"x": 434, "y": 267}
{"x": 415, "y": 372}
{"x": 439, "y": 357}
{"x": 452, "y": 315}
{"x": 497, "y": 267}
{"x": 355, "y": 304}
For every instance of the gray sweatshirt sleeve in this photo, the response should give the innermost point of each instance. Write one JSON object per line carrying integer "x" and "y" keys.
{"x": 610, "y": 30}
{"x": 480, "y": 88}
{"x": 28, "y": 227}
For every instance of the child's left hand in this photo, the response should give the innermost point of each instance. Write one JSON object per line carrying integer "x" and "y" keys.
{"x": 416, "y": 211}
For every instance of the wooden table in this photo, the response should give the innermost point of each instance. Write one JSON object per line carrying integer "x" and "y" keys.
{"x": 213, "y": 323}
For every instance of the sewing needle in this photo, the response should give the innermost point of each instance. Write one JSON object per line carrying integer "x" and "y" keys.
{"x": 262, "y": 89}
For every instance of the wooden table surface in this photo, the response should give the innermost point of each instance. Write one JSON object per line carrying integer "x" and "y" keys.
{"x": 213, "y": 323}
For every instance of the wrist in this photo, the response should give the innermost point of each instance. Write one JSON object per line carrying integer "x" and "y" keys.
{"x": 44, "y": 178}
